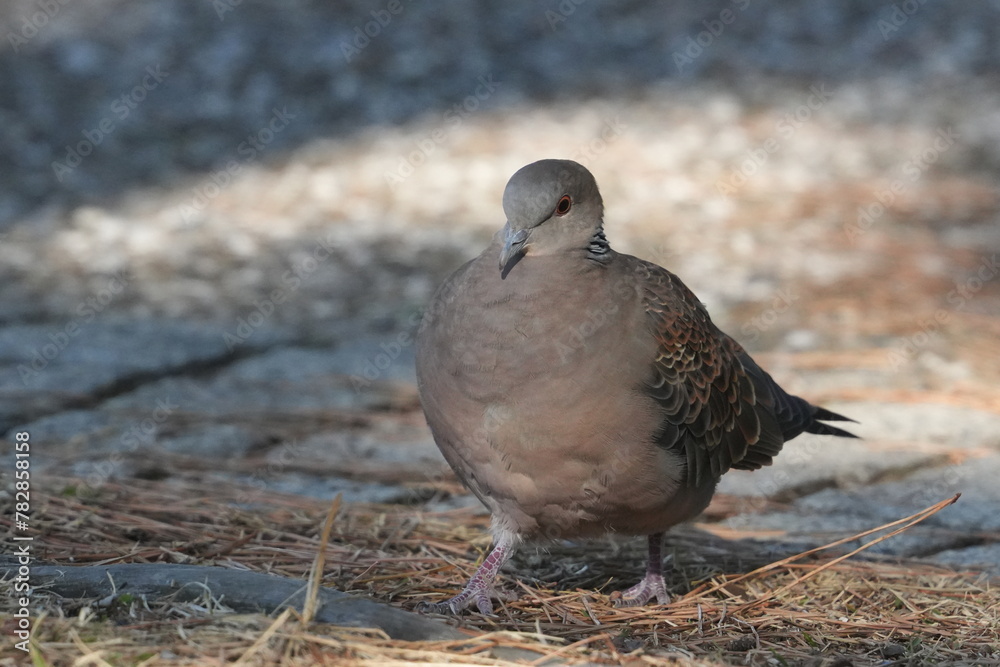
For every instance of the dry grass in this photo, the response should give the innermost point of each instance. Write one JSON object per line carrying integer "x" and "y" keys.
{"x": 811, "y": 609}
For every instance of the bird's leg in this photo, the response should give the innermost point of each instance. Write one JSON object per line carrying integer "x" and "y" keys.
{"x": 480, "y": 587}
{"x": 652, "y": 585}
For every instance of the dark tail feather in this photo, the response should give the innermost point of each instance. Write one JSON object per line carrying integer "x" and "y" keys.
{"x": 824, "y": 415}
{"x": 793, "y": 414}
{"x": 817, "y": 426}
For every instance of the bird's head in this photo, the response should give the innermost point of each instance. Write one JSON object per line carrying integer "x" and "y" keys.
{"x": 552, "y": 206}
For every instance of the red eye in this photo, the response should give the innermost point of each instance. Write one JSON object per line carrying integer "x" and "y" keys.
{"x": 562, "y": 208}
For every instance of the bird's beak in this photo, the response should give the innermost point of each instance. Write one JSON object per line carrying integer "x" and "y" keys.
{"x": 513, "y": 248}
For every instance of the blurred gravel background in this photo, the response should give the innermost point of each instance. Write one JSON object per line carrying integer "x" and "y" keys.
{"x": 219, "y": 221}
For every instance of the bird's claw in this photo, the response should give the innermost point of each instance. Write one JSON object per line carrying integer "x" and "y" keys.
{"x": 481, "y": 596}
{"x": 651, "y": 586}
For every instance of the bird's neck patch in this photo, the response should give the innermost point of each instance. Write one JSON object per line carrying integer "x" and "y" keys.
{"x": 598, "y": 247}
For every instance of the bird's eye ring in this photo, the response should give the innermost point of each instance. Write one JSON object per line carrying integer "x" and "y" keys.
{"x": 565, "y": 202}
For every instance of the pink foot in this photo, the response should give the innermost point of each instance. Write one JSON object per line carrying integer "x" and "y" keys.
{"x": 482, "y": 596}
{"x": 480, "y": 588}
{"x": 652, "y": 585}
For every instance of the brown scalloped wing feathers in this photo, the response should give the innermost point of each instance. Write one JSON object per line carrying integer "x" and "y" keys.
{"x": 714, "y": 415}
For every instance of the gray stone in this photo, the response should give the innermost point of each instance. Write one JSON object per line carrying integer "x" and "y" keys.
{"x": 934, "y": 423}
{"x": 280, "y": 383}
{"x": 384, "y": 357}
{"x": 835, "y": 490}
{"x": 401, "y": 450}
{"x": 43, "y": 368}
{"x": 833, "y": 513}
{"x": 212, "y": 441}
{"x": 810, "y": 530}
{"x": 810, "y": 463}
{"x": 67, "y": 425}
{"x": 363, "y": 362}
{"x": 326, "y": 488}
{"x": 292, "y": 400}
{"x": 975, "y": 511}
{"x": 981, "y": 557}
